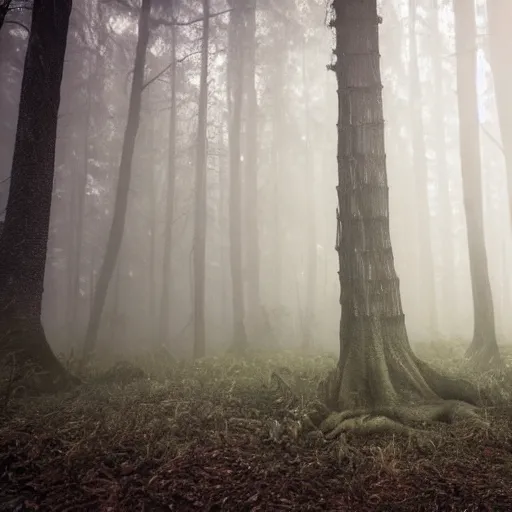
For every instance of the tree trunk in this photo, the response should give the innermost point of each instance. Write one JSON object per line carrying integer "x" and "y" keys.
{"x": 235, "y": 61}
{"x": 311, "y": 257}
{"x": 499, "y": 13}
{"x": 201, "y": 196}
{"x": 484, "y": 348}
{"x": 252, "y": 249}
{"x": 376, "y": 366}
{"x": 152, "y": 316}
{"x": 426, "y": 273}
{"x": 123, "y": 184}
{"x": 165, "y": 302}
{"x": 24, "y": 241}
{"x": 446, "y": 211}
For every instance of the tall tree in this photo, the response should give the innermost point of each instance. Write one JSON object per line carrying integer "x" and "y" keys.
{"x": 426, "y": 274}
{"x": 235, "y": 76}
{"x": 201, "y": 196}
{"x": 445, "y": 203}
{"x": 123, "y": 184}
{"x": 377, "y": 369}
{"x": 24, "y": 241}
{"x": 311, "y": 242}
{"x": 252, "y": 249}
{"x": 499, "y": 12}
{"x": 165, "y": 301}
{"x": 484, "y": 348}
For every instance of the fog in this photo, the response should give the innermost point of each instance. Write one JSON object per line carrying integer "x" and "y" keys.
{"x": 295, "y": 162}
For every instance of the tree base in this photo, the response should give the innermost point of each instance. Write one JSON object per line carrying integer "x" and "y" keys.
{"x": 32, "y": 365}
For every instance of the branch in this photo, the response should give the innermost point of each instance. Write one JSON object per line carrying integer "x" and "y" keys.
{"x": 492, "y": 138}
{"x": 158, "y": 75}
{"x": 165, "y": 22}
{"x": 176, "y": 23}
{"x": 18, "y": 23}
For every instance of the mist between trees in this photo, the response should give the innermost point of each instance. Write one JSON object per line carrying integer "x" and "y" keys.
{"x": 194, "y": 202}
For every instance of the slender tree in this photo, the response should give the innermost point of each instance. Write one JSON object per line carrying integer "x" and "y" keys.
{"x": 24, "y": 241}
{"x": 426, "y": 274}
{"x": 252, "y": 248}
{"x": 311, "y": 242}
{"x": 445, "y": 203}
{"x": 123, "y": 185}
{"x": 377, "y": 369}
{"x": 165, "y": 301}
{"x": 235, "y": 75}
{"x": 484, "y": 348}
{"x": 200, "y": 196}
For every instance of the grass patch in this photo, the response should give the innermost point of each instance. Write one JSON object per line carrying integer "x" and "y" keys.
{"x": 230, "y": 434}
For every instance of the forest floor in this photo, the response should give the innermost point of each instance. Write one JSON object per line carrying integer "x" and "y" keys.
{"x": 223, "y": 434}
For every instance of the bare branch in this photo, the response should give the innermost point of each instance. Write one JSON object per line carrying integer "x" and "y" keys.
{"x": 17, "y": 23}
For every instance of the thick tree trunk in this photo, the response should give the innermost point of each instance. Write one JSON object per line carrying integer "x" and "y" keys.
{"x": 252, "y": 249}
{"x": 484, "y": 348}
{"x": 123, "y": 185}
{"x": 376, "y": 366}
{"x": 499, "y": 13}
{"x": 165, "y": 302}
{"x": 201, "y": 196}
{"x": 235, "y": 183}
{"x": 426, "y": 286}
{"x": 23, "y": 244}
{"x": 446, "y": 211}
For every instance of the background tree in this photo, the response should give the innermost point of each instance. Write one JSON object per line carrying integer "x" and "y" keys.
{"x": 484, "y": 348}
{"x": 123, "y": 185}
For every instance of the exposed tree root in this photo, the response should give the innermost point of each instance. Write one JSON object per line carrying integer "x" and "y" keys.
{"x": 400, "y": 419}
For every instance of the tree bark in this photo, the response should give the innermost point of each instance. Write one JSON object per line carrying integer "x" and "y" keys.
{"x": 484, "y": 348}
{"x": 499, "y": 12}
{"x": 165, "y": 302}
{"x": 4, "y": 9}
{"x": 235, "y": 61}
{"x": 426, "y": 273}
{"x": 123, "y": 184}
{"x": 23, "y": 244}
{"x": 376, "y": 365}
{"x": 201, "y": 196}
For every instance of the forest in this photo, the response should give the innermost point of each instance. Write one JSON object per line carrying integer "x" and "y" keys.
{"x": 254, "y": 255}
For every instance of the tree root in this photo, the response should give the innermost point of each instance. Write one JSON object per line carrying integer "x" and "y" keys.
{"x": 400, "y": 420}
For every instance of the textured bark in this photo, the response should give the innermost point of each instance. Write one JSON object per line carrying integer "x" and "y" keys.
{"x": 499, "y": 13}
{"x": 236, "y": 76}
{"x": 446, "y": 211}
{"x": 123, "y": 185}
{"x": 426, "y": 285}
{"x": 377, "y": 367}
{"x": 201, "y": 197}
{"x": 484, "y": 348}
{"x": 23, "y": 244}
{"x": 252, "y": 249}
{"x": 165, "y": 301}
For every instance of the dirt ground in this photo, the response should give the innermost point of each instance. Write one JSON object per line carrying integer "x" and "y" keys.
{"x": 220, "y": 436}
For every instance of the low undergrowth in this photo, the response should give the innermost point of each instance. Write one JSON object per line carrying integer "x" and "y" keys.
{"x": 232, "y": 434}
